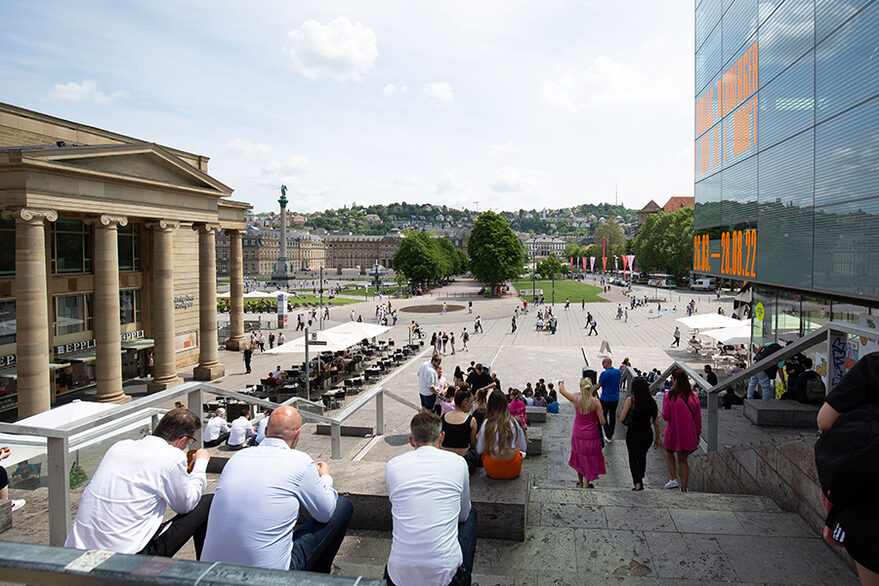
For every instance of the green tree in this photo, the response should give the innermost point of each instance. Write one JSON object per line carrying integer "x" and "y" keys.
{"x": 450, "y": 265}
{"x": 419, "y": 258}
{"x": 551, "y": 266}
{"x": 611, "y": 232}
{"x": 665, "y": 242}
{"x": 495, "y": 253}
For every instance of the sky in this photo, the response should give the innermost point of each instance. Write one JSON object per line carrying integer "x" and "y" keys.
{"x": 481, "y": 104}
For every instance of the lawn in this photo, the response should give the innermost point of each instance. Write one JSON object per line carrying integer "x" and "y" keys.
{"x": 316, "y": 299}
{"x": 576, "y": 291}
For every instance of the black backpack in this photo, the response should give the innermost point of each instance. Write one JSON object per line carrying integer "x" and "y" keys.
{"x": 813, "y": 389}
{"x": 847, "y": 457}
{"x": 767, "y": 351}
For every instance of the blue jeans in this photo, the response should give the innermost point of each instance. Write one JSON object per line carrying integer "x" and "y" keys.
{"x": 765, "y": 385}
{"x": 315, "y": 544}
{"x": 467, "y": 541}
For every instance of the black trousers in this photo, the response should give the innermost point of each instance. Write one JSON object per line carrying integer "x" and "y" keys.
{"x": 610, "y": 416}
{"x": 172, "y": 535}
{"x": 638, "y": 440}
{"x": 214, "y": 443}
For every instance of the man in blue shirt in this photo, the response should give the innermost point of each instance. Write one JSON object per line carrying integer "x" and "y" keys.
{"x": 609, "y": 384}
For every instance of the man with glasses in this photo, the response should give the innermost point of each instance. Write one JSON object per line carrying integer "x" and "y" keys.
{"x": 123, "y": 507}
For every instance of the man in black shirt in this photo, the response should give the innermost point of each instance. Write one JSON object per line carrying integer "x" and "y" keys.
{"x": 710, "y": 376}
{"x": 479, "y": 379}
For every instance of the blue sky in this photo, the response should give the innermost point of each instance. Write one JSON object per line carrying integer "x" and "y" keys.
{"x": 508, "y": 103}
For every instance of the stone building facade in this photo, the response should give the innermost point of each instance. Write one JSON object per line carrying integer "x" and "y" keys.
{"x": 261, "y": 249}
{"x": 107, "y": 263}
{"x": 345, "y": 250}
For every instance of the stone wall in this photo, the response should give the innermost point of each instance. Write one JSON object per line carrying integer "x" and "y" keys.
{"x": 785, "y": 472}
{"x": 186, "y": 290}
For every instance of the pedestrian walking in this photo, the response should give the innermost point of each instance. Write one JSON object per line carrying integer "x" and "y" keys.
{"x": 465, "y": 337}
{"x": 281, "y": 338}
{"x": 445, "y": 340}
{"x": 444, "y": 306}
{"x": 677, "y": 335}
{"x": 640, "y": 416}
{"x": 514, "y": 325}
{"x": 452, "y": 341}
{"x": 248, "y": 354}
{"x": 262, "y": 342}
{"x": 680, "y": 408}
{"x": 470, "y": 306}
{"x": 271, "y": 340}
{"x": 592, "y": 327}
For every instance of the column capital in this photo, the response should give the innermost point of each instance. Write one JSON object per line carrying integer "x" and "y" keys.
{"x": 206, "y": 227}
{"x": 163, "y": 225}
{"x": 107, "y": 220}
{"x": 29, "y": 215}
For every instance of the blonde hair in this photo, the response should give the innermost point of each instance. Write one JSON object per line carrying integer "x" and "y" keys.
{"x": 499, "y": 433}
{"x": 586, "y": 402}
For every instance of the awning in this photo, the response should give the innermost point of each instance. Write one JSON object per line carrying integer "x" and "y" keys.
{"x": 84, "y": 356}
{"x": 12, "y": 371}
{"x": 138, "y": 344}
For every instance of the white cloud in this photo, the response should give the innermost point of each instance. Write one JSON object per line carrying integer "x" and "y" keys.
{"x": 453, "y": 190}
{"x": 604, "y": 83}
{"x": 246, "y": 147}
{"x": 288, "y": 170}
{"x": 87, "y": 90}
{"x": 439, "y": 93}
{"x": 393, "y": 89}
{"x": 510, "y": 179}
{"x": 340, "y": 50}
{"x": 510, "y": 147}
{"x": 405, "y": 180}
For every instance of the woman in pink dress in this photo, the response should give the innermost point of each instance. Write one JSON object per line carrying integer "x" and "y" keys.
{"x": 683, "y": 416}
{"x": 586, "y": 455}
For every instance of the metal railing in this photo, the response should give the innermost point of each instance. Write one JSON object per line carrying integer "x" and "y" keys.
{"x": 62, "y": 440}
{"x": 834, "y": 335}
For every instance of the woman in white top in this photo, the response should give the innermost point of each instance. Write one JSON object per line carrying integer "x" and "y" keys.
{"x": 502, "y": 441}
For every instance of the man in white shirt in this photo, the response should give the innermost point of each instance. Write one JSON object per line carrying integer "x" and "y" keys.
{"x": 428, "y": 382}
{"x": 240, "y": 432}
{"x": 123, "y": 506}
{"x": 257, "y": 500}
{"x": 217, "y": 430}
{"x": 434, "y": 535}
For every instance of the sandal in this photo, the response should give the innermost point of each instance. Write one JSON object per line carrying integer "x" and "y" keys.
{"x": 590, "y": 485}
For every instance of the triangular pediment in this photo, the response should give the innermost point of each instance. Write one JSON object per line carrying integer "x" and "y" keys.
{"x": 145, "y": 162}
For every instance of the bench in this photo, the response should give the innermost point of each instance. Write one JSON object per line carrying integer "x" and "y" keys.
{"x": 771, "y": 412}
{"x": 500, "y": 504}
{"x": 535, "y": 441}
{"x": 535, "y": 415}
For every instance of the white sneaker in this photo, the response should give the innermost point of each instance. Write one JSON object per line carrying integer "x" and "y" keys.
{"x": 17, "y": 504}
{"x": 673, "y": 483}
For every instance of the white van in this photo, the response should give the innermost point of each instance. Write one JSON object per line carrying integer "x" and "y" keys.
{"x": 704, "y": 284}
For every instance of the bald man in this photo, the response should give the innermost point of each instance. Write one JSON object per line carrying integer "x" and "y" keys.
{"x": 257, "y": 500}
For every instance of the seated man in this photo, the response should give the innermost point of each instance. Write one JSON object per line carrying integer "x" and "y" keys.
{"x": 279, "y": 374}
{"x": 241, "y": 432}
{"x": 123, "y": 507}
{"x": 217, "y": 430}
{"x": 257, "y": 505}
{"x": 434, "y": 535}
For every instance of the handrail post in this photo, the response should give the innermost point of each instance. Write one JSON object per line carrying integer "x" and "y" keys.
{"x": 336, "y": 435}
{"x": 195, "y": 402}
{"x": 711, "y": 438}
{"x": 59, "y": 490}
{"x": 380, "y": 414}
{"x": 836, "y": 351}
{"x": 154, "y": 422}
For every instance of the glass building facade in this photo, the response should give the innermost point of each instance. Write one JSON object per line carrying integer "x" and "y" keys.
{"x": 787, "y": 149}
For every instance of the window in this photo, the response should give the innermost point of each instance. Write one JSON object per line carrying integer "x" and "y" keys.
{"x": 129, "y": 306}
{"x": 129, "y": 247}
{"x": 223, "y": 269}
{"x": 7, "y": 322}
{"x": 225, "y": 254}
{"x": 7, "y": 247}
{"x": 71, "y": 247}
{"x": 73, "y": 313}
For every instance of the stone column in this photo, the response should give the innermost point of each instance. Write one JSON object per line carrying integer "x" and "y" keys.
{"x": 164, "y": 370}
{"x": 108, "y": 366}
{"x": 209, "y": 366}
{"x": 236, "y": 292}
{"x": 31, "y": 309}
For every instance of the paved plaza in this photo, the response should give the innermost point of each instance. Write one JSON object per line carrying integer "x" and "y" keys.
{"x": 606, "y": 535}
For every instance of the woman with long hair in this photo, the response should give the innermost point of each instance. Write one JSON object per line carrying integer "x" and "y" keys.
{"x": 480, "y": 402}
{"x": 459, "y": 375}
{"x": 501, "y": 440}
{"x": 586, "y": 455}
{"x": 683, "y": 416}
{"x": 460, "y": 431}
{"x": 639, "y": 434}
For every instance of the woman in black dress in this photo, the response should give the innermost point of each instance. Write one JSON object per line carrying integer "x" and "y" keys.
{"x": 642, "y": 430}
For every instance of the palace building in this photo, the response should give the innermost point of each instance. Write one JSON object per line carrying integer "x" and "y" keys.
{"x": 107, "y": 263}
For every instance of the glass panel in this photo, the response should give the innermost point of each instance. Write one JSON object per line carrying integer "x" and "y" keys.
{"x": 847, "y": 246}
{"x": 785, "y": 37}
{"x": 708, "y": 62}
{"x": 787, "y": 316}
{"x": 787, "y": 104}
{"x": 126, "y": 307}
{"x": 137, "y": 306}
{"x": 848, "y": 312}
{"x": 846, "y": 70}
{"x": 7, "y": 322}
{"x": 739, "y": 23}
{"x": 763, "y": 331}
{"x": 829, "y": 14}
{"x": 7, "y": 247}
{"x": 816, "y": 313}
{"x": 707, "y": 208}
{"x": 126, "y": 252}
{"x": 739, "y": 189}
{"x": 70, "y": 314}
{"x": 707, "y": 17}
{"x": 69, "y": 252}
{"x": 847, "y": 156}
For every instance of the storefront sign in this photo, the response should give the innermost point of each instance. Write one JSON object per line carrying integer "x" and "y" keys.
{"x": 183, "y": 301}
{"x": 7, "y": 360}
{"x": 186, "y": 341}
{"x": 75, "y": 347}
{"x": 129, "y": 336}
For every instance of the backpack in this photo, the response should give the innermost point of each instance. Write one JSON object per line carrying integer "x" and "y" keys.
{"x": 765, "y": 352}
{"x": 846, "y": 456}
{"x": 813, "y": 388}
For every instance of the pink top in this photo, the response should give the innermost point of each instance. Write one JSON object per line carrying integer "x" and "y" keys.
{"x": 684, "y": 423}
{"x": 517, "y": 410}
{"x": 446, "y": 406}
